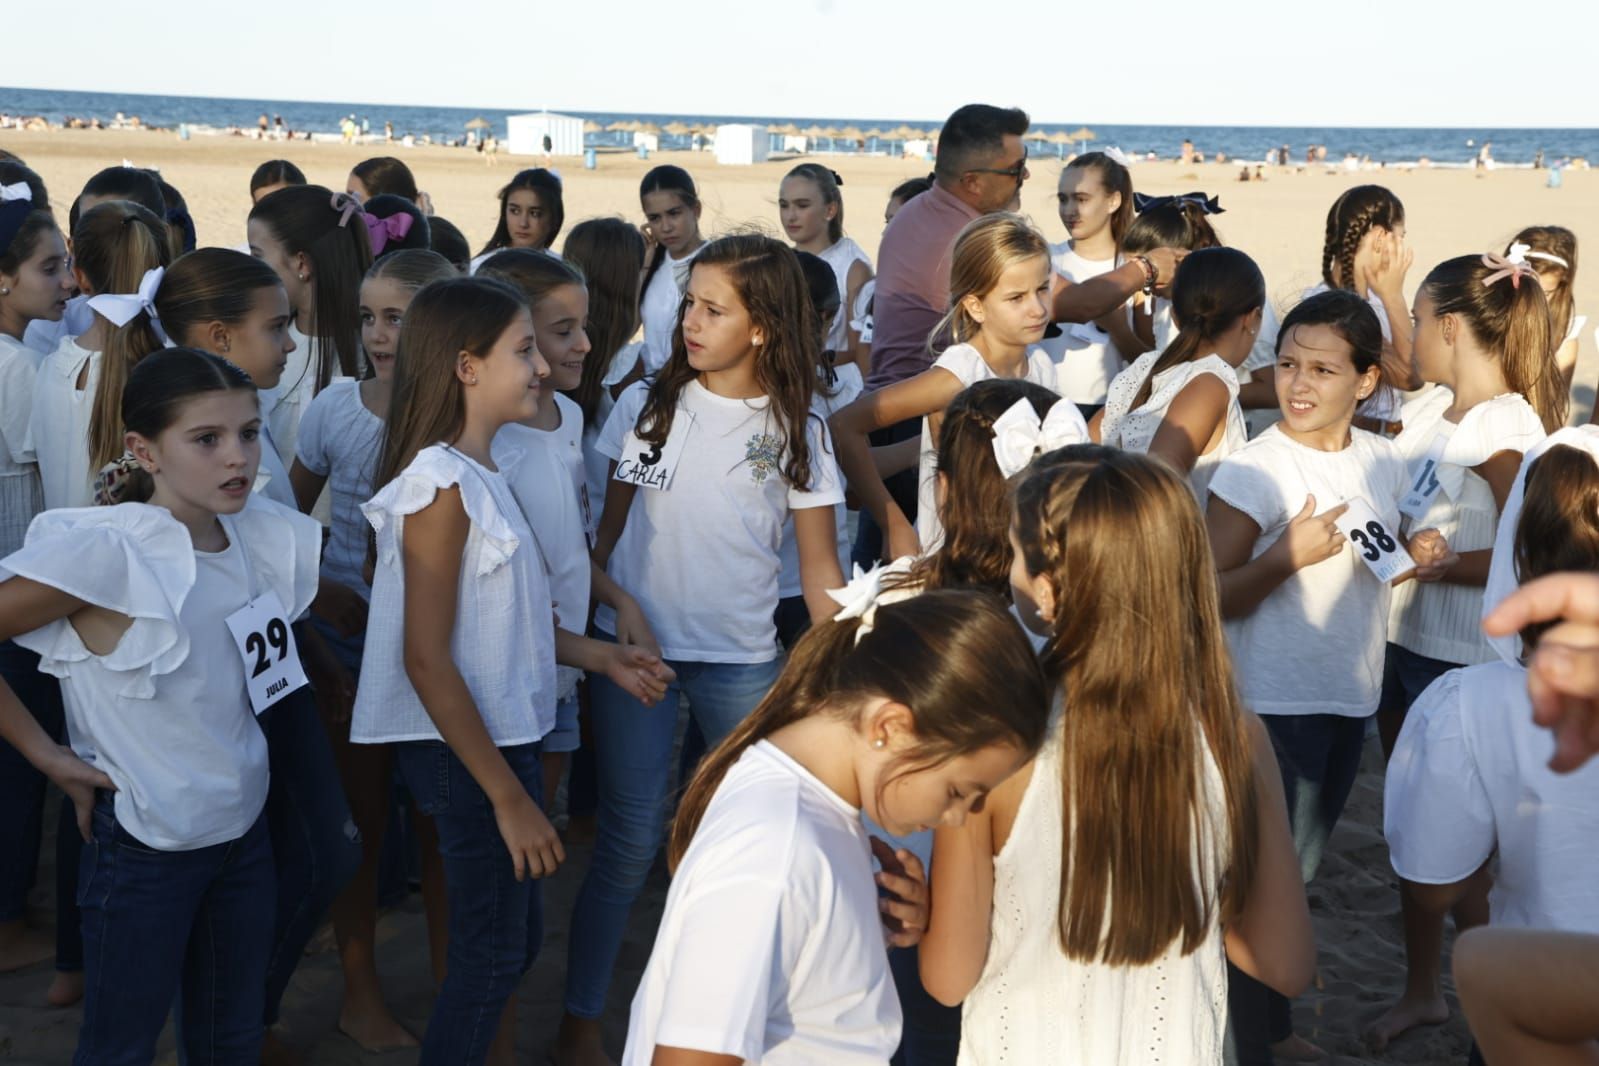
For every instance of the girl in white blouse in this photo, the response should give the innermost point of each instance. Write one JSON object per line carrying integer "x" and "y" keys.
{"x": 167, "y": 623}
{"x": 1483, "y": 336}
{"x": 1043, "y": 923}
{"x": 459, "y": 668}
{"x": 771, "y": 946}
{"x": 1182, "y": 403}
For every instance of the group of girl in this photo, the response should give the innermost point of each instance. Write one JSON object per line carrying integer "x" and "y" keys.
{"x": 518, "y": 497}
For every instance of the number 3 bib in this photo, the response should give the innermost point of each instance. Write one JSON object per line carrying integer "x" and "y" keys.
{"x": 1375, "y": 544}
{"x": 260, "y": 628}
{"x": 654, "y": 465}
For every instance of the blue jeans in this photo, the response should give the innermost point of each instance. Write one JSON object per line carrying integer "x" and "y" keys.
{"x": 314, "y": 839}
{"x": 1405, "y": 676}
{"x": 21, "y": 786}
{"x": 1319, "y": 756}
{"x": 868, "y": 548}
{"x": 633, "y": 754}
{"x": 496, "y": 921}
{"x": 165, "y": 925}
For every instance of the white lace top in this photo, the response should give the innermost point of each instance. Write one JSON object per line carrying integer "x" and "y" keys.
{"x": 1033, "y": 1005}
{"x": 1134, "y": 430}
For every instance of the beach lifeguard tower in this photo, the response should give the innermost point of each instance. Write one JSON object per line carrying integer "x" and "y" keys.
{"x": 524, "y": 134}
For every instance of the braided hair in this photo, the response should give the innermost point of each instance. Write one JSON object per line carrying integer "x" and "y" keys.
{"x": 1353, "y": 215}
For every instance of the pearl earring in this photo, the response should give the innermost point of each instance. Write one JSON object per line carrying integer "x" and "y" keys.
{"x": 302, "y": 275}
{"x": 4, "y": 291}
{"x": 879, "y": 742}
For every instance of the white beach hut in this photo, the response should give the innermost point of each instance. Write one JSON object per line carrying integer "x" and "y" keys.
{"x": 525, "y": 134}
{"x": 740, "y": 144}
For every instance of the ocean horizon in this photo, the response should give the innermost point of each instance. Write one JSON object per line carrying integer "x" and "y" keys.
{"x": 202, "y": 114}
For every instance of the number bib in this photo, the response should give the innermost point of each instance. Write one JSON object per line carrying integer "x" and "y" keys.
{"x": 272, "y": 666}
{"x": 651, "y": 465}
{"x": 1424, "y": 480}
{"x": 1374, "y": 543}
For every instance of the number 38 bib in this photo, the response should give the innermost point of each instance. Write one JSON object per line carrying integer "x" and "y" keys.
{"x": 1374, "y": 543}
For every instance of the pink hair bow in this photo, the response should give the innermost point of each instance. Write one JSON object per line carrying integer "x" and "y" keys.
{"x": 380, "y": 231}
{"x": 1513, "y": 266}
{"x": 347, "y": 204}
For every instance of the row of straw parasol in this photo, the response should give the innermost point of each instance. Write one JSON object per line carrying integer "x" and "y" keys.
{"x": 852, "y": 134}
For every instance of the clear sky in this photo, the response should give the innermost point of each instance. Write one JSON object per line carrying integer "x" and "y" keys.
{"x": 1470, "y": 63}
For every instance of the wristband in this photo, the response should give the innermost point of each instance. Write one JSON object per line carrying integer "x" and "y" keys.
{"x": 1150, "y": 274}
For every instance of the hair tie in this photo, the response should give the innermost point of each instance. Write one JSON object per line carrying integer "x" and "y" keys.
{"x": 380, "y": 231}
{"x": 1210, "y": 205}
{"x": 111, "y": 483}
{"x": 347, "y": 204}
{"x": 838, "y": 179}
{"x": 1020, "y": 436}
{"x": 121, "y": 308}
{"x": 1513, "y": 266}
{"x": 858, "y": 599}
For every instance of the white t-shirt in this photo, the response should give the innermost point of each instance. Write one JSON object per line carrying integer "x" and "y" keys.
{"x": 969, "y": 367}
{"x": 659, "y": 309}
{"x": 846, "y": 386}
{"x": 1438, "y": 619}
{"x": 545, "y": 471}
{"x": 841, "y": 256}
{"x": 724, "y": 509}
{"x": 59, "y": 429}
{"x": 1084, "y": 357}
{"x": 1135, "y": 429}
{"x": 771, "y": 948}
{"x": 166, "y": 714}
{"x": 1315, "y": 645}
{"x": 339, "y": 440}
{"x": 504, "y": 637}
{"x": 1469, "y": 779}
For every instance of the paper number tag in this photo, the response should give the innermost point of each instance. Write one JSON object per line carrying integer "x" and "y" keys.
{"x": 1424, "y": 480}
{"x": 651, "y": 465}
{"x": 1088, "y": 332}
{"x": 1375, "y": 544}
{"x": 272, "y": 666}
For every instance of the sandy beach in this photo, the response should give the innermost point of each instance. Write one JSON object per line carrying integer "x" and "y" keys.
{"x": 1354, "y": 901}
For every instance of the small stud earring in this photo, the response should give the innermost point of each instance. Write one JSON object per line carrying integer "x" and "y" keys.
{"x": 879, "y": 742}
{"x": 224, "y": 347}
{"x": 302, "y": 275}
{"x": 4, "y": 291}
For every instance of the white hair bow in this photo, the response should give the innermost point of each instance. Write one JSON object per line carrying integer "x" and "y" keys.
{"x": 16, "y": 191}
{"x": 1519, "y": 253}
{"x": 1020, "y": 436}
{"x": 1116, "y": 155}
{"x": 120, "y": 308}
{"x": 858, "y": 599}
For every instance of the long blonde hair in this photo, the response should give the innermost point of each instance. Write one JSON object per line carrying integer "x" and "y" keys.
{"x": 1139, "y": 652}
{"x": 983, "y": 251}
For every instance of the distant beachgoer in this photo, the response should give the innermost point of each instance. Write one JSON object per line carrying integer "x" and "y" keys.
{"x": 1188, "y": 152}
{"x": 388, "y": 132}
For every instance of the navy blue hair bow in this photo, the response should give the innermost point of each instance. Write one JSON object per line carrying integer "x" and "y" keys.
{"x": 1210, "y": 205}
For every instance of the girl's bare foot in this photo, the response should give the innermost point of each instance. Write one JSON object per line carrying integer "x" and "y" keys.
{"x": 66, "y": 989}
{"x": 21, "y": 945}
{"x": 1409, "y": 1013}
{"x": 372, "y": 1026}
{"x": 1297, "y": 1049}
{"x": 580, "y": 1043}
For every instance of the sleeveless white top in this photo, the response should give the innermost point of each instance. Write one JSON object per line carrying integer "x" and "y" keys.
{"x": 1134, "y": 429}
{"x": 1034, "y": 1005}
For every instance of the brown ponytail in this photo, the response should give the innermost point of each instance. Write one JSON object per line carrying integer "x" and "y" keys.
{"x": 1510, "y": 318}
{"x": 957, "y": 659}
{"x": 114, "y": 244}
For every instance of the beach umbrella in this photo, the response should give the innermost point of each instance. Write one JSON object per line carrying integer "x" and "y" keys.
{"x": 1083, "y": 134}
{"x": 593, "y": 127}
{"x": 620, "y": 126}
{"x": 677, "y": 129}
{"x": 648, "y": 127}
{"x": 1060, "y": 139}
{"x": 480, "y": 123}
